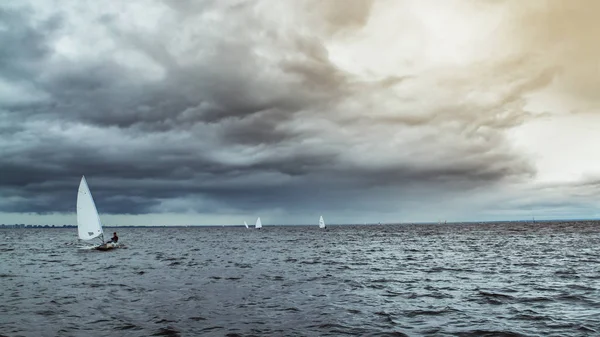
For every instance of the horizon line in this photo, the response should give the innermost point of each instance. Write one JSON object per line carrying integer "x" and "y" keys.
{"x": 315, "y": 224}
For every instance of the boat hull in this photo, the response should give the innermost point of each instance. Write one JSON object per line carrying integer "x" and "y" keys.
{"x": 107, "y": 246}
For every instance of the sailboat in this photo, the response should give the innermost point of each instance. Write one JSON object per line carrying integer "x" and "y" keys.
{"x": 321, "y": 222}
{"x": 88, "y": 222}
{"x": 258, "y": 224}
{"x": 246, "y": 224}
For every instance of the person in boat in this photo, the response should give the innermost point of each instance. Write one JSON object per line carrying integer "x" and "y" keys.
{"x": 114, "y": 239}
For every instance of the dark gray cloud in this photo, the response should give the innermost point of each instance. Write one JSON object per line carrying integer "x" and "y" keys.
{"x": 224, "y": 105}
{"x": 25, "y": 43}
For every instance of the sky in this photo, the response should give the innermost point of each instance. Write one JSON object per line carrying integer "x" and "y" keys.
{"x": 216, "y": 112}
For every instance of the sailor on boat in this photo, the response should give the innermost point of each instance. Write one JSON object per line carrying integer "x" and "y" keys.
{"x": 114, "y": 239}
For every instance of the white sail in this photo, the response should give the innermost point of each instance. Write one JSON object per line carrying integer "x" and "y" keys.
{"x": 246, "y": 224}
{"x": 88, "y": 221}
{"x": 321, "y": 222}
{"x": 258, "y": 223}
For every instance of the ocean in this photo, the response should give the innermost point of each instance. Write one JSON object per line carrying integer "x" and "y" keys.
{"x": 511, "y": 279}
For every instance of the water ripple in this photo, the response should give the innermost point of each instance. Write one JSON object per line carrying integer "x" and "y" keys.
{"x": 426, "y": 280}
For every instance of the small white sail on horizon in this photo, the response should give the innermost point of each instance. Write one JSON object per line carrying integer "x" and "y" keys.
{"x": 321, "y": 222}
{"x": 88, "y": 221}
{"x": 246, "y": 224}
{"x": 258, "y": 223}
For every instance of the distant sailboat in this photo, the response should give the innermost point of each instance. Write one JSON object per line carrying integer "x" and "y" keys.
{"x": 321, "y": 222}
{"x": 88, "y": 221}
{"x": 246, "y": 224}
{"x": 258, "y": 224}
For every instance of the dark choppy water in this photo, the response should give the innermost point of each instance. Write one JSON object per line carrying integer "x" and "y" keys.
{"x": 417, "y": 280}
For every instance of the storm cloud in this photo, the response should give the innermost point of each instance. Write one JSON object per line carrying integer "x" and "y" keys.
{"x": 265, "y": 106}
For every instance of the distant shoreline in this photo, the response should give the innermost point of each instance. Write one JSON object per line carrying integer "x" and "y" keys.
{"x": 24, "y": 226}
